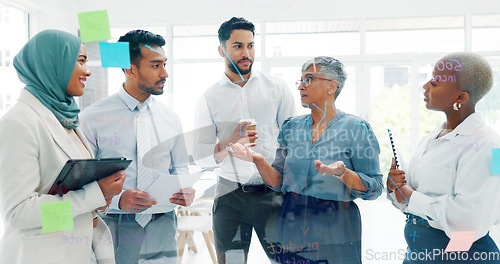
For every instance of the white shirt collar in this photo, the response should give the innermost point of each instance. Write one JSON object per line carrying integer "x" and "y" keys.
{"x": 468, "y": 127}
{"x": 130, "y": 101}
{"x": 226, "y": 81}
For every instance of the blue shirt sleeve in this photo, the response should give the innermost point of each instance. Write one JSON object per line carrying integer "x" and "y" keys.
{"x": 365, "y": 161}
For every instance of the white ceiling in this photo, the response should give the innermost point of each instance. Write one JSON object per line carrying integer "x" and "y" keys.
{"x": 283, "y": 16}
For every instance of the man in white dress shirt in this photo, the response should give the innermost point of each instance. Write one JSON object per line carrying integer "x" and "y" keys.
{"x": 132, "y": 124}
{"x": 242, "y": 199}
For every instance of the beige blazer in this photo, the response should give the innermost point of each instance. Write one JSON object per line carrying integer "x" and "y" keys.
{"x": 34, "y": 147}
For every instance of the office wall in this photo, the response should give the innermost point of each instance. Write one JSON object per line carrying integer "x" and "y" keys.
{"x": 62, "y": 14}
{"x": 259, "y": 10}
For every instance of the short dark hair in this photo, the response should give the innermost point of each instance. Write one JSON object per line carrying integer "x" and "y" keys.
{"x": 138, "y": 38}
{"x": 475, "y": 76}
{"x": 227, "y": 28}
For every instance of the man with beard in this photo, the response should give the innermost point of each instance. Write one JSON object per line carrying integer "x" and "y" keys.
{"x": 132, "y": 124}
{"x": 242, "y": 200}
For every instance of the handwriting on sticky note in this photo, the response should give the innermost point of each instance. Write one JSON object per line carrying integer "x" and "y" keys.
{"x": 495, "y": 161}
{"x": 115, "y": 54}
{"x": 94, "y": 26}
{"x": 460, "y": 241}
{"x": 57, "y": 216}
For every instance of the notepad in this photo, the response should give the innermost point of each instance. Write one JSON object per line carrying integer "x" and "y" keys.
{"x": 400, "y": 163}
{"x": 165, "y": 186}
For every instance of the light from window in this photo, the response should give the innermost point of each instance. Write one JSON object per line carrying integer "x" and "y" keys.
{"x": 293, "y": 45}
{"x": 414, "y": 41}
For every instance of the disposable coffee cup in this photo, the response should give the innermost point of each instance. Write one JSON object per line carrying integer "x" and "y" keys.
{"x": 251, "y": 126}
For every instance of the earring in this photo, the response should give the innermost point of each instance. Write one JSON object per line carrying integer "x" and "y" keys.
{"x": 329, "y": 92}
{"x": 456, "y": 106}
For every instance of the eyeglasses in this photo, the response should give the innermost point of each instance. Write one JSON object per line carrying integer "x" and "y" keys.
{"x": 307, "y": 81}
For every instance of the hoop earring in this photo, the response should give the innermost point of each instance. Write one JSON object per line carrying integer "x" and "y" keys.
{"x": 456, "y": 106}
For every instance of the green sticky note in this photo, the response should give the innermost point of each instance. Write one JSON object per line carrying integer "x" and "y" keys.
{"x": 94, "y": 26}
{"x": 57, "y": 216}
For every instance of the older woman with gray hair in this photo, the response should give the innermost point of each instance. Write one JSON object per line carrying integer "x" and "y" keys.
{"x": 452, "y": 193}
{"x": 318, "y": 221}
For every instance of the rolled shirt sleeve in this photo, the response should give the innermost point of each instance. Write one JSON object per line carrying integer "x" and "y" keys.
{"x": 392, "y": 197}
{"x": 365, "y": 161}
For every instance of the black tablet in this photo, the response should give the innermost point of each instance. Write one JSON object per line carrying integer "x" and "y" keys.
{"x": 78, "y": 172}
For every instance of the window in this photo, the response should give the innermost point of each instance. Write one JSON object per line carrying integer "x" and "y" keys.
{"x": 196, "y": 47}
{"x": 414, "y": 35}
{"x": 488, "y": 105}
{"x": 289, "y": 39}
{"x": 201, "y": 41}
{"x": 7, "y": 58}
{"x": 190, "y": 81}
{"x": 390, "y": 101}
{"x": 14, "y": 24}
{"x": 301, "y": 44}
{"x": 484, "y": 32}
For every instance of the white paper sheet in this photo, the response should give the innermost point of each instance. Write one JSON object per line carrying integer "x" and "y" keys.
{"x": 164, "y": 188}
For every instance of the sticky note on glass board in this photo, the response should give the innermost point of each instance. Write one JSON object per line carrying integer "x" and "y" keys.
{"x": 94, "y": 26}
{"x": 495, "y": 161}
{"x": 115, "y": 54}
{"x": 57, "y": 216}
{"x": 460, "y": 241}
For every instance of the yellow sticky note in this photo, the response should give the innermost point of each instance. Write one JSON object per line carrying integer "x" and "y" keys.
{"x": 461, "y": 241}
{"x": 57, "y": 216}
{"x": 94, "y": 26}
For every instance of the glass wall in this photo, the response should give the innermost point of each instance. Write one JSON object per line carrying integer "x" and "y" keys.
{"x": 14, "y": 28}
{"x": 387, "y": 61}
